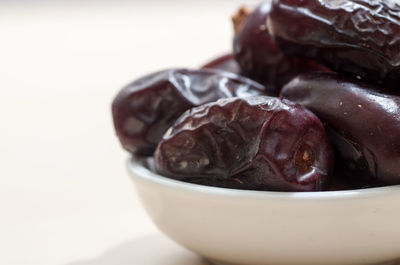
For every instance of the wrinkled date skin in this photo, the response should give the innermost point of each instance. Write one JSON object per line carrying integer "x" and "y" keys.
{"x": 146, "y": 108}
{"x": 364, "y": 125}
{"x": 357, "y": 37}
{"x": 225, "y": 63}
{"x": 259, "y": 143}
{"x": 261, "y": 59}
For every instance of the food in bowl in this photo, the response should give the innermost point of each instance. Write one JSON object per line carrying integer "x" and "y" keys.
{"x": 364, "y": 124}
{"x": 354, "y": 37}
{"x": 240, "y": 142}
{"x": 259, "y": 143}
{"x": 147, "y": 107}
{"x": 258, "y": 55}
{"x": 225, "y": 63}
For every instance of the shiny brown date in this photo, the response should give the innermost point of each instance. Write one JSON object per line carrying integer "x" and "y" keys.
{"x": 357, "y": 37}
{"x": 259, "y": 143}
{"x": 364, "y": 124}
{"x": 260, "y": 58}
{"x": 146, "y": 108}
{"x": 225, "y": 63}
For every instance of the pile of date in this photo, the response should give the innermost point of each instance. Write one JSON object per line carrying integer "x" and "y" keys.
{"x": 309, "y": 100}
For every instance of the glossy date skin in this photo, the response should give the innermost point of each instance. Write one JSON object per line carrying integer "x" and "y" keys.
{"x": 260, "y": 58}
{"x": 225, "y": 63}
{"x": 259, "y": 143}
{"x": 146, "y": 108}
{"x": 363, "y": 124}
{"x": 356, "y": 37}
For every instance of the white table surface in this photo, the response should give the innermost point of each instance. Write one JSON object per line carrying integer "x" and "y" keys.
{"x": 65, "y": 197}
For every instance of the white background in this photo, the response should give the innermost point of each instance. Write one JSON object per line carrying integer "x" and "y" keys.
{"x": 65, "y": 197}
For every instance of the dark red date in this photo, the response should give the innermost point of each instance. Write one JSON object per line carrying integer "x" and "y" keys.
{"x": 225, "y": 63}
{"x": 357, "y": 37}
{"x": 146, "y": 108}
{"x": 260, "y": 58}
{"x": 364, "y": 125}
{"x": 259, "y": 143}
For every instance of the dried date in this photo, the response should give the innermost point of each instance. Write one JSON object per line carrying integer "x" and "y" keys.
{"x": 146, "y": 108}
{"x": 258, "y": 55}
{"x": 356, "y": 37}
{"x": 363, "y": 124}
{"x": 259, "y": 143}
{"x": 225, "y": 63}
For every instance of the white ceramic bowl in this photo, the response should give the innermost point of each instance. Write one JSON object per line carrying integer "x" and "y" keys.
{"x": 258, "y": 228}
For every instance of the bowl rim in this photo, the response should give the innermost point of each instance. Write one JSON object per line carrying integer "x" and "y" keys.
{"x": 139, "y": 172}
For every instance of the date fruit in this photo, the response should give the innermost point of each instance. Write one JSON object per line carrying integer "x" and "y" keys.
{"x": 260, "y": 58}
{"x": 225, "y": 63}
{"x": 364, "y": 125}
{"x": 356, "y": 37}
{"x": 259, "y": 143}
{"x": 146, "y": 108}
